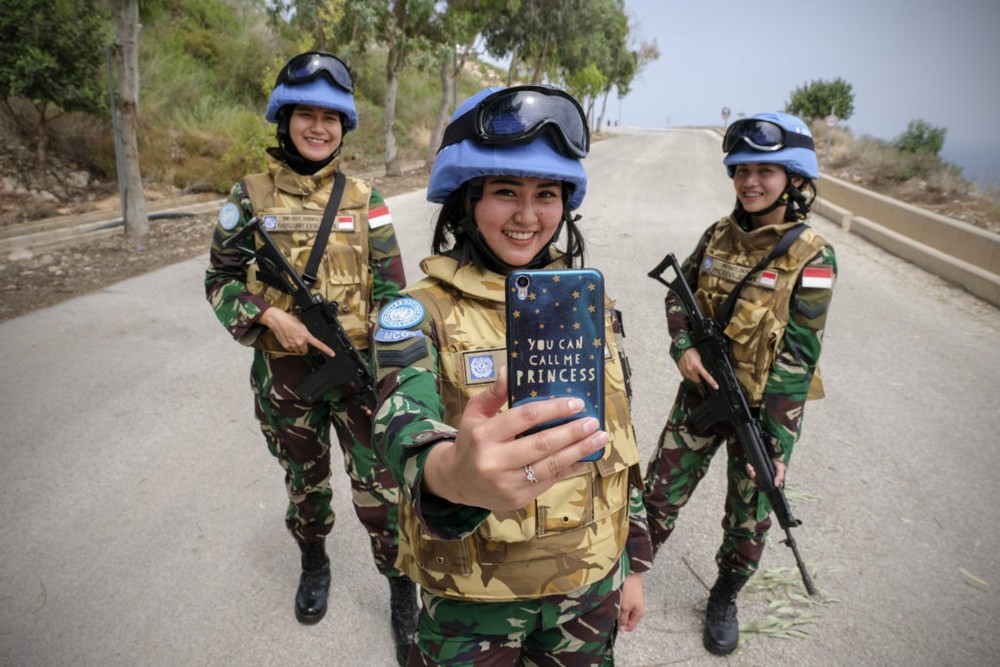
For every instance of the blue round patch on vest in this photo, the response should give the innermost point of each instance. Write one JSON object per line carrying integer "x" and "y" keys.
{"x": 402, "y": 314}
{"x": 229, "y": 216}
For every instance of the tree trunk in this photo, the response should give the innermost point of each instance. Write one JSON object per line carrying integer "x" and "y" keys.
{"x": 392, "y": 167}
{"x": 604, "y": 109}
{"x": 543, "y": 55}
{"x": 449, "y": 73}
{"x": 41, "y": 148}
{"x": 127, "y": 51}
{"x": 510, "y": 68}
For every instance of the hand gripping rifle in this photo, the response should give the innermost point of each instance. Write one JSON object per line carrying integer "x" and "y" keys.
{"x": 729, "y": 404}
{"x": 347, "y": 368}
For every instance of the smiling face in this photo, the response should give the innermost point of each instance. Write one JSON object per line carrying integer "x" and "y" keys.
{"x": 316, "y": 132}
{"x": 518, "y": 216}
{"x": 758, "y": 185}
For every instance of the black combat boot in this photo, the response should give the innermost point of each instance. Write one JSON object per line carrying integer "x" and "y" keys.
{"x": 722, "y": 630}
{"x": 314, "y": 584}
{"x": 404, "y": 613}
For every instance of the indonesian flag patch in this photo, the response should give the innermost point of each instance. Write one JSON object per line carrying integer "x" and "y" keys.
{"x": 820, "y": 277}
{"x": 345, "y": 223}
{"x": 377, "y": 217}
{"x": 767, "y": 279}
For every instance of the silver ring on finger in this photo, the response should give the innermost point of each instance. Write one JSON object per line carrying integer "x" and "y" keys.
{"x": 530, "y": 474}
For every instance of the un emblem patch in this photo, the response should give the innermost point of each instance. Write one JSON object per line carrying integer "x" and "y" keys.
{"x": 229, "y": 216}
{"x": 481, "y": 367}
{"x": 402, "y": 314}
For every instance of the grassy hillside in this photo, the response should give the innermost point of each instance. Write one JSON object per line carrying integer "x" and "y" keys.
{"x": 207, "y": 67}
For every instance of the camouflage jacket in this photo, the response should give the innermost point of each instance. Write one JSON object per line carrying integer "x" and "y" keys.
{"x": 361, "y": 267}
{"x": 776, "y": 330}
{"x": 573, "y": 534}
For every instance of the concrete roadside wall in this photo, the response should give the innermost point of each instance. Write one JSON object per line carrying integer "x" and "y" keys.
{"x": 957, "y": 251}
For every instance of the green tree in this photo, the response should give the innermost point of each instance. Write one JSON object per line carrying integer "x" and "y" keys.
{"x": 533, "y": 33}
{"x": 587, "y": 65}
{"x": 921, "y": 138}
{"x": 53, "y": 57}
{"x": 820, "y": 98}
{"x": 454, "y": 39}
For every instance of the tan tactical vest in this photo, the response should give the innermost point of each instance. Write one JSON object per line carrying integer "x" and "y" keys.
{"x": 290, "y": 207}
{"x": 761, "y": 313}
{"x": 574, "y": 533}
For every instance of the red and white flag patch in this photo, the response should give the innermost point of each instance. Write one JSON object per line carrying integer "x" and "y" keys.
{"x": 818, "y": 276}
{"x": 378, "y": 217}
{"x": 767, "y": 278}
{"x": 345, "y": 223}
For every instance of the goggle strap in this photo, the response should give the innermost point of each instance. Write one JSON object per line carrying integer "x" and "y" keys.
{"x": 796, "y": 140}
{"x": 461, "y": 128}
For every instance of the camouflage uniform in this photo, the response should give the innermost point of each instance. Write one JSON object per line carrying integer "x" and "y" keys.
{"x": 361, "y": 269}
{"x": 541, "y": 584}
{"x": 776, "y": 332}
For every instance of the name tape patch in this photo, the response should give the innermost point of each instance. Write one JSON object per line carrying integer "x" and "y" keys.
{"x": 396, "y": 335}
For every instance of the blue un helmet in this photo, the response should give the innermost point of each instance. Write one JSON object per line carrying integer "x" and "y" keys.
{"x": 318, "y": 79}
{"x": 529, "y": 131}
{"x": 775, "y": 138}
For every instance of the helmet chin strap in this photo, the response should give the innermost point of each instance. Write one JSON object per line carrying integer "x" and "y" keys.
{"x": 791, "y": 197}
{"x": 482, "y": 255}
{"x": 289, "y": 154}
{"x": 479, "y": 250}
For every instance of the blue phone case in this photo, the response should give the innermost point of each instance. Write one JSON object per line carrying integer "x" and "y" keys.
{"x": 555, "y": 339}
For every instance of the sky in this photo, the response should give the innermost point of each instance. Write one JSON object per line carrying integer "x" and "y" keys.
{"x": 936, "y": 60}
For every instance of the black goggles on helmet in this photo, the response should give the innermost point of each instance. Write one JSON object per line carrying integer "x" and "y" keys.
{"x": 519, "y": 115}
{"x": 307, "y": 66}
{"x": 763, "y": 135}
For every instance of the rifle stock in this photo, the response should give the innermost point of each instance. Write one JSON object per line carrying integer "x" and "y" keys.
{"x": 347, "y": 368}
{"x": 728, "y": 404}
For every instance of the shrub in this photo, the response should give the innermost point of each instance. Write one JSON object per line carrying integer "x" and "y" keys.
{"x": 921, "y": 138}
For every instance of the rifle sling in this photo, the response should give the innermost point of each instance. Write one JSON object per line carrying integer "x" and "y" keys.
{"x": 726, "y": 310}
{"x": 326, "y": 226}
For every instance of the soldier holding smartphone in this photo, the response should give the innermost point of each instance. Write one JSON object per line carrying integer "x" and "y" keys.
{"x": 524, "y": 553}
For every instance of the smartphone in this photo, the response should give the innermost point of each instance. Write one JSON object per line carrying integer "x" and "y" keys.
{"x": 555, "y": 340}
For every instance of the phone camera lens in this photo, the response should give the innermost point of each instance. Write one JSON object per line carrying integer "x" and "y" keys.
{"x": 522, "y": 281}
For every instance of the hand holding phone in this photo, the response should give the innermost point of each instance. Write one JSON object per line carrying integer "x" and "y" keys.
{"x": 555, "y": 339}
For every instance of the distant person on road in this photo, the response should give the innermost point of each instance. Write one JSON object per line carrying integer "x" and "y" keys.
{"x": 524, "y": 554}
{"x": 358, "y": 266}
{"x": 776, "y": 332}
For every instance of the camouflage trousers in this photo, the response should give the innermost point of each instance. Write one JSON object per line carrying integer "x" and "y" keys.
{"x": 681, "y": 459}
{"x": 298, "y": 435}
{"x": 576, "y": 630}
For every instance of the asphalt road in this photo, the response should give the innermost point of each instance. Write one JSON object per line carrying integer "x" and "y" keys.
{"x": 141, "y": 517}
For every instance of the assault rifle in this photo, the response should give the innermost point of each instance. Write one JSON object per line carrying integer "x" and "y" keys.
{"x": 347, "y": 368}
{"x": 729, "y": 404}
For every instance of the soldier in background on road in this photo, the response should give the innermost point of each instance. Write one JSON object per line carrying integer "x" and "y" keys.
{"x": 500, "y": 584}
{"x": 359, "y": 268}
{"x": 776, "y": 332}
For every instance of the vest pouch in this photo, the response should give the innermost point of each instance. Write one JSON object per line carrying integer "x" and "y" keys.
{"x": 567, "y": 505}
{"x": 343, "y": 276}
{"x": 754, "y": 332}
{"x": 509, "y": 527}
{"x": 444, "y": 556}
{"x": 420, "y": 554}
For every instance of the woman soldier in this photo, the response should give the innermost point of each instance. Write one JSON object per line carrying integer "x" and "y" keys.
{"x": 358, "y": 266}
{"x": 500, "y": 584}
{"x": 775, "y": 330}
